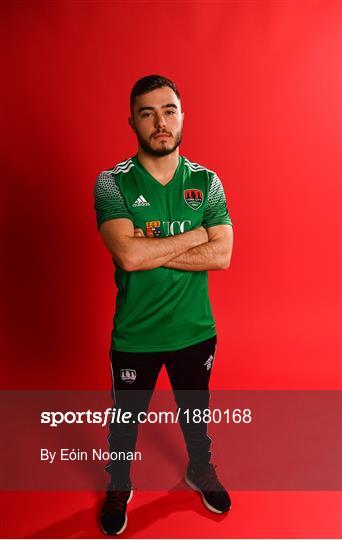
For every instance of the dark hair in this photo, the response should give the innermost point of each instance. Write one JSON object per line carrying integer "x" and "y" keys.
{"x": 149, "y": 83}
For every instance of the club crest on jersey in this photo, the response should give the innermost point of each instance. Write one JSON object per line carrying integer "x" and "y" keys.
{"x": 128, "y": 375}
{"x": 193, "y": 198}
{"x": 153, "y": 229}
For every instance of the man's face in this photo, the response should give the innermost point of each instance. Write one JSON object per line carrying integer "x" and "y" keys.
{"x": 158, "y": 121}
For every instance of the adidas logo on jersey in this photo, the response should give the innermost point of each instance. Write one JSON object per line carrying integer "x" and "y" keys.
{"x": 141, "y": 201}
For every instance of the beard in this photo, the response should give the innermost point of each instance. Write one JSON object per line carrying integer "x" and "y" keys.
{"x": 163, "y": 150}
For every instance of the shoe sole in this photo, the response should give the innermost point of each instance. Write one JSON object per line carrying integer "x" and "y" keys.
{"x": 125, "y": 522}
{"x": 205, "y": 502}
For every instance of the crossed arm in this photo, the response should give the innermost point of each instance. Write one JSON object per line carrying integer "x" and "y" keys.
{"x": 215, "y": 254}
{"x": 195, "y": 250}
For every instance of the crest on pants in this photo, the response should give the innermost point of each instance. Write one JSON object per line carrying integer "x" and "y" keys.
{"x": 128, "y": 375}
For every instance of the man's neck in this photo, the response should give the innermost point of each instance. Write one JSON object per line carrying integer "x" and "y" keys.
{"x": 161, "y": 168}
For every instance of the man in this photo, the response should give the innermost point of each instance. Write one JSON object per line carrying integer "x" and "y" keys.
{"x": 165, "y": 222}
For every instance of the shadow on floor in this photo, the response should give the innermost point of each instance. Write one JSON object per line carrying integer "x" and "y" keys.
{"x": 84, "y": 524}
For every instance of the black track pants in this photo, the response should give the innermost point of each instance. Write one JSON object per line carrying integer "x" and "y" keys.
{"x": 134, "y": 378}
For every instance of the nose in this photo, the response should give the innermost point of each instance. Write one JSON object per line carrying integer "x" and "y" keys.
{"x": 159, "y": 119}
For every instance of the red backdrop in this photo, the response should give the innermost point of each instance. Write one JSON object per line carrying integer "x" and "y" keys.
{"x": 261, "y": 91}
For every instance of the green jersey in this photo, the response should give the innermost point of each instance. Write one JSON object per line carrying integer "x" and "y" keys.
{"x": 161, "y": 309}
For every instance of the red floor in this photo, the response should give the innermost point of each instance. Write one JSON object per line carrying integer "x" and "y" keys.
{"x": 175, "y": 514}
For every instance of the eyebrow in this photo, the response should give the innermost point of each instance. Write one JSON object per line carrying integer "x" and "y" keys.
{"x": 153, "y": 108}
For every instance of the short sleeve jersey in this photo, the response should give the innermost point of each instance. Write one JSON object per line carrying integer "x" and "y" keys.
{"x": 161, "y": 309}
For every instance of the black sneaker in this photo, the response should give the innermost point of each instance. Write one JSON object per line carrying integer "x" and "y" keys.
{"x": 214, "y": 496}
{"x": 113, "y": 518}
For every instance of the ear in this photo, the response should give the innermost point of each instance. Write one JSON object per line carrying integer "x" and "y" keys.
{"x": 131, "y": 123}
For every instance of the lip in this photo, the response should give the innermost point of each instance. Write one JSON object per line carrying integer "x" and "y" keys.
{"x": 160, "y": 135}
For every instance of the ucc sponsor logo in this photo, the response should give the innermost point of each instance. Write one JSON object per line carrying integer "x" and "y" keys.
{"x": 176, "y": 227}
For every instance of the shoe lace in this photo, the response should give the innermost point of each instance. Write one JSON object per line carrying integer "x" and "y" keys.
{"x": 117, "y": 499}
{"x": 208, "y": 480}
